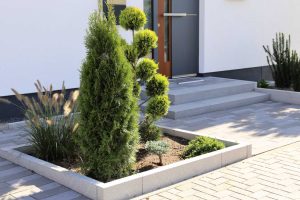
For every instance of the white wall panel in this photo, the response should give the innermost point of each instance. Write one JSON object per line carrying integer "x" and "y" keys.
{"x": 44, "y": 39}
{"x": 236, "y": 30}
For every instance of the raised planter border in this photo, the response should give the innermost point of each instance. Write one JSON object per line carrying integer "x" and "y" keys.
{"x": 283, "y": 96}
{"x": 137, "y": 184}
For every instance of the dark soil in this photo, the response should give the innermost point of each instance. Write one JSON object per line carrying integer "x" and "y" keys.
{"x": 145, "y": 161}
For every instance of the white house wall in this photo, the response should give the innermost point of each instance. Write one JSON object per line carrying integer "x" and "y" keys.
{"x": 236, "y": 30}
{"x": 43, "y": 39}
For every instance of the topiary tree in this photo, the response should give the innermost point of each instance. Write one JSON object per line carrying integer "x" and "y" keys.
{"x": 158, "y": 148}
{"x": 145, "y": 71}
{"x": 108, "y": 133}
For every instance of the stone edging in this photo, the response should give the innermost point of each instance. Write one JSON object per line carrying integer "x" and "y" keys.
{"x": 283, "y": 96}
{"x": 137, "y": 184}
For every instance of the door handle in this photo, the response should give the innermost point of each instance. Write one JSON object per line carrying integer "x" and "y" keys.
{"x": 178, "y": 14}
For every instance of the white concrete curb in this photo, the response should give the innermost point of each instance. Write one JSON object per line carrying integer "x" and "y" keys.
{"x": 137, "y": 184}
{"x": 283, "y": 96}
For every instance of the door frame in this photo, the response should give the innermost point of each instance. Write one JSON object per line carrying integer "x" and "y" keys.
{"x": 165, "y": 67}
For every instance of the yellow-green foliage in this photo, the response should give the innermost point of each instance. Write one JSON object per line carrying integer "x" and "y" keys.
{"x": 144, "y": 41}
{"x": 146, "y": 69}
{"x": 157, "y": 85}
{"x": 132, "y": 18}
{"x": 158, "y": 106}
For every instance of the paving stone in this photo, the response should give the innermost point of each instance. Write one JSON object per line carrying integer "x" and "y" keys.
{"x": 64, "y": 196}
{"x": 266, "y": 184}
{"x": 51, "y": 192}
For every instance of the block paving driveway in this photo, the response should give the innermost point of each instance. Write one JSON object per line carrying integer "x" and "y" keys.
{"x": 268, "y": 176}
{"x": 273, "y": 173}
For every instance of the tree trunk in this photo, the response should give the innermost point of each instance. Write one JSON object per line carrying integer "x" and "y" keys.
{"x": 160, "y": 160}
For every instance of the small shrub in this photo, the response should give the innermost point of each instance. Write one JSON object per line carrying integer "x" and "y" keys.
{"x": 51, "y": 134}
{"x": 158, "y": 148}
{"x": 201, "y": 145}
{"x": 132, "y": 18}
{"x": 148, "y": 131}
{"x": 263, "y": 84}
{"x": 158, "y": 106}
{"x": 157, "y": 85}
{"x": 279, "y": 60}
{"x": 146, "y": 69}
{"x": 145, "y": 41}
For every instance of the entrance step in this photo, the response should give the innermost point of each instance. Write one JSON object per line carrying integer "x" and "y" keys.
{"x": 197, "y": 93}
{"x": 215, "y": 104}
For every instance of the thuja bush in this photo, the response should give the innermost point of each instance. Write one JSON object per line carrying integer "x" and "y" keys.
{"x": 202, "y": 145}
{"x": 145, "y": 71}
{"x": 51, "y": 122}
{"x": 280, "y": 60}
{"x": 108, "y": 133}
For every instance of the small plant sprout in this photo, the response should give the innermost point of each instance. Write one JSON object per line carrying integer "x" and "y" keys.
{"x": 158, "y": 148}
{"x": 263, "y": 84}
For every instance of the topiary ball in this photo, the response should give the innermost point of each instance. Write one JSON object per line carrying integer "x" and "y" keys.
{"x": 202, "y": 145}
{"x": 145, "y": 41}
{"x": 146, "y": 69}
{"x": 157, "y": 85}
{"x": 158, "y": 106}
{"x": 132, "y": 18}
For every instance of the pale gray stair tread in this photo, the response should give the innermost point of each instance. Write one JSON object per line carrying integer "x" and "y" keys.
{"x": 185, "y": 94}
{"x": 201, "y": 88}
{"x": 210, "y": 105}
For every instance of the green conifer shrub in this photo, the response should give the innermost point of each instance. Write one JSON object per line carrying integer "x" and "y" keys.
{"x": 148, "y": 131}
{"x": 146, "y": 69}
{"x": 145, "y": 72}
{"x": 108, "y": 133}
{"x": 144, "y": 41}
{"x": 202, "y": 145}
{"x": 132, "y": 18}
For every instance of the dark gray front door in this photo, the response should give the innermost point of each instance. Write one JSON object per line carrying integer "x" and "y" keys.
{"x": 185, "y": 37}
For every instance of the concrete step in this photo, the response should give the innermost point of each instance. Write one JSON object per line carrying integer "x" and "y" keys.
{"x": 186, "y": 93}
{"x": 215, "y": 104}
{"x": 191, "y": 94}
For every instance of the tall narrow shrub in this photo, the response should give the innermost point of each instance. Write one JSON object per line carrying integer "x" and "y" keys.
{"x": 280, "y": 60}
{"x": 295, "y": 71}
{"x": 108, "y": 135}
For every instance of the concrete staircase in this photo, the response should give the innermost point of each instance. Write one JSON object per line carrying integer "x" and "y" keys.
{"x": 195, "y": 96}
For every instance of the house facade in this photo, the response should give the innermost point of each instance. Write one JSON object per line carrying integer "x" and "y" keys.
{"x": 44, "y": 40}
{"x": 218, "y": 37}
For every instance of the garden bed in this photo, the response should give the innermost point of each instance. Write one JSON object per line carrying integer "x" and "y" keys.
{"x": 145, "y": 160}
{"x": 136, "y": 184}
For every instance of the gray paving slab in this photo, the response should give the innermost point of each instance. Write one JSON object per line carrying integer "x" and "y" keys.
{"x": 265, "y": 125}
